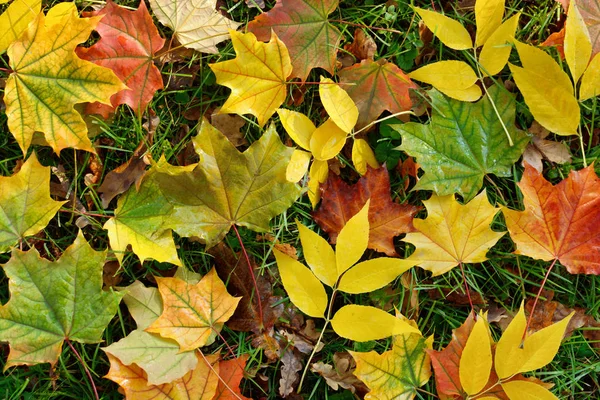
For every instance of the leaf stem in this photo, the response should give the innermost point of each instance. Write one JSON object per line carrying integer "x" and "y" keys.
{"x": 462, "y": 271}
{"x": 85, "y": 368}
{"x": 537, "y": 297}
{"x": 582, "y": 146}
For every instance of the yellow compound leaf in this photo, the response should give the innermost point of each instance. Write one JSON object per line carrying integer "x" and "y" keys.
{"x": 449, "y": 31}
{"x": 48, "y": 79}
{"x": 534, "y": 59}
{"x": 327, "y": 140}
{"x": 590, "y": 81}
{"x": 193, "y": 315}
{"x": 256, "y": 77}
{"x": 451, "y": 75}
{"x": 298, "y": 165}
{"x": 472, "y": 93}
{"x": 496, "y": 50}
{"x": 578, "y": 46}
{"x": 365, "y": 323}
{"x": 352, "y": 240}
{"x": 15, "y": 19}
{"x": 338, "y": 104}
{"x": 525, "y": 390}
{"x": 476, "y": 360}
{"x": 488, "y": 17}
{"x": 362, "y": 155}
{"x": 453, "y": 233}
{"x": 318, "y": 255}
{"x": 304, "y": 289}
{"x": 298, "y": 126}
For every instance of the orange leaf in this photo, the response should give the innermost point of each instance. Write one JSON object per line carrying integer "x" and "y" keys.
{"x": 231, "y": 373}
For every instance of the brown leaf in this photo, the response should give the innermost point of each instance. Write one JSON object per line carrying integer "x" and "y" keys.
{"x": 340, "y": 374}
{"x": 540, "y": 148}
{"x": 268, "y": 344}
{"x": 548, "y": 312}
{"x": 229, "y": 125}
{"x": 109, "y": 274}
{"x": 289, "y": 372}
{"x": 387, "y": 219}
{"x": 456, "y": 296}
{"x": 363, "y": 47}
{"x": 286, "y": 248}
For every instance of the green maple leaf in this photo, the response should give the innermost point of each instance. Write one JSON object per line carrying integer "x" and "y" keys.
{"x": 25, "y": 203}
{"x": 464, "y": 142}
{"x": 54, "y": 301}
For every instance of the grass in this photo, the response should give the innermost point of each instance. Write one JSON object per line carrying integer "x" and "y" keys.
{"x": 505, "y": 279}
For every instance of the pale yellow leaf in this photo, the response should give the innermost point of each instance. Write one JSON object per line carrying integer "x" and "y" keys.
{"x": 525, "y": 390}
{"x": 449, "y": 31}
{"x": 496, "y": 50}
{"x": 476, "y": 360}
{"x": 471, "y": 94}
{"x": 338, "y": 104}
{"x": 452, "y": 75}
{"x": 535, "y": 59}
{"x": 327, "y": 140}
{"x": 318, "y": 255}
{"x": 298, "y": 165}
{"x": 364, "y": 323}
{"x": 488, "y": 17}
{"x": 15, "y": 19}
{"x": 374, "y": 274}
{"x": 352, "y": 240}
{"x": 578, "y": 46}
{"x": 319, "y": 170}
{"x": 297, "y": 126}
{"x": 362, "y": 155}
{"x": 590, "y": 81}
{"x": 301, "y": 285}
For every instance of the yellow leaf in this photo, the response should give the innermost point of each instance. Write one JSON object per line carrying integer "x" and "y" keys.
{"x": 488, "y": 17}
{"x": 590, "y": 81}
{"x": 508, "y": 357}
{"x": 496, "y": 50}
{"x": 297, "y": 126}
{"x": 525, "y": 390}
{"x": 472, "y": 93}
{"x": 318, "y": 255}
{"x": 60, "y": 13}
{"x": 298, "y": 165}
{"x": 15, "y": 19}
{"x": 476, "y": 360}
{"x": 352, "y": 240}
{"x": 338, "y": 104}
{"x": 256, "y": 77}
{"x": 364, "y": 323}
{"x": 449, "y": 31}
{"x": 327, "y": 140}
{"x": 374, "y": 274}
{"x": 534, "y": 59}
{"x": 451, "y": 75}
{"x": 453, "y": 233}
{"x": 578, "y": 46}
{"x": 303, "y": 288}
{"x": 319, "y": 170}
{"x": 362, "y": 155}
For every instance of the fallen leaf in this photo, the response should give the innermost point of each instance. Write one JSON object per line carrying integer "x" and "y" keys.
{"x": 231, "y": 373}
{"x": 363, "y": 47}
{"x": 14, "y": 20}
{"x": 340, "y": 374}
{"x": 540, "y": 149}
{"x": 289, "y": 372}
{"x": 557, "y": 40}
{"x": 229, "y": 125}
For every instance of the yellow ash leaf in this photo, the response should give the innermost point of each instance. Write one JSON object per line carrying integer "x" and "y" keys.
{"x": 193, "y": 315}
{"x": 488, "y": 17}
{"x": 15, "y": 19}
{"x": 496, "y": 50}
{"x": 373, "y": 274}
{"x": 301, "y": 285}
{"x": 590, "y": 81}
{"x": 525, "y": 390}
{"x": 256, "y": 77}
{"x": 449, "y": 31}
{"x": 509, "y": 358}
{"x": 327, "y": 140}
{"x": 318, "y": 255}
{"x": 472, "y": 93}
{"x": 578, "y": 46}
{"x": 352, "y": 240}
{"x": 451, "y": 75}
{"x": 319, "y": 170}
{"x": 534, "y": 59}
{"x": 298, "y": 165}
{"x": 365, "y": 323}
{"x": 362, "y": 155}
{"x": 338, "y": 104}
{"x": 297, "y": 126}
{"x": 453, "y": 233}
{"x": 476, "y": 359}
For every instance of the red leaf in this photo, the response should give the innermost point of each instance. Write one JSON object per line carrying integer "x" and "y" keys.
{"x": 232, "y": 373}
{"x": 127, "y": 46}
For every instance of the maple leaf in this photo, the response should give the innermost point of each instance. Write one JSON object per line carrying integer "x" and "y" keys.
{"x": 48, "y": 79}
{"x": 129, "y": 40}
{"x": 453, "y": 233}
{"x": 305, "y": 29}
{"x": 193, "y": 315}
{"x": 25, "y": 203}
{"x": 387, "y": 219}
{"x": 196, "y": 23}
{"x": 257, "y": 77}
{"x": 559, "y": 222}
{"x": 231, "y": 373}
{"x": 464, "y": 142}
{"x": 54, "y": 301}
{"x": 199, "y": 384}
{"x": 377, "y": 86}
{"x": 14, "y": 20}
{"x": 397, "y": 373}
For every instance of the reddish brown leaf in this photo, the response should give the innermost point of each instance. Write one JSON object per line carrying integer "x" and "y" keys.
{"x": 557, "y": 39}
{"x": 127, "y": 46}
{"x": 590, "y": 12}
{"x": 559, "y": 222}
{"x": 386, "y": 218}
{"x": 304, "y": 27}
{"x": 376, "y": 86}
{"x": 231, "y": 373}
{"x": 363, "y": 47}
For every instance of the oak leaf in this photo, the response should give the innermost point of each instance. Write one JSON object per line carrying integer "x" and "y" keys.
{"x": 25, "y": 203}
{"x": 48, "y": 79}
{"x": 14, "y": 20}
{"x": 387, "y": 219}
{"x": 54, "y": 301}
{"x": 560, "y": 222}
{"x": 304, "y": 27}
{"x": 257, "y": 77}
{"x": 129, "y": 40}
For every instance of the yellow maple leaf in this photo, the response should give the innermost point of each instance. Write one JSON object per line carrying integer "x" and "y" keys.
{"x": 15, "y": 20}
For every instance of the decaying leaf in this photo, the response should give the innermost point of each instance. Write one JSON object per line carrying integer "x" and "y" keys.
{"x": 341, "y": 374}
{"x": 540, "y": 148}
{"x": 289, "y": 372}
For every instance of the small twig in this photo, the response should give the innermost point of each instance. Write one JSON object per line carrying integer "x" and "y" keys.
{"x": 537, "y": 297}
{"x": 87, "y": 371}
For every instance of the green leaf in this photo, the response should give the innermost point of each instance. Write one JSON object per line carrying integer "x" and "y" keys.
{"x": 464, "y": 142}
{"x": 54, "y": 301}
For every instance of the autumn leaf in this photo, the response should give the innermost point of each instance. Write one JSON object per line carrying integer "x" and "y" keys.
{"x": 196, "y": 23}
{"x": 463, "y": 142}
{"x": 590, "y": 12}
{"x": 387, "y": 218}
{"x": 231, "y": 373}
{"x": 129, "y": 40}
{"x": 560, "y": 222}
{"x": 54, "y": 301}
{"x": 450, "y": 32}
{"x": 14, "y": 20}
{"x": 453, "y": 233}
{"x": 476, "y": 361}
{"x": 305, "y": 29}
{"x": 540, "y": 148}
{"x": 257, "y": 77}
{"x": 193, "y": 315}
{"x": 375, "y": 87}
{"x": 25, "y": 203}
{"x": 48, "y": 79}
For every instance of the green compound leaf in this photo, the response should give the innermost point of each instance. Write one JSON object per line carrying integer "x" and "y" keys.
{"x": 464, "y": 142}
{"x": 54, "y": 301}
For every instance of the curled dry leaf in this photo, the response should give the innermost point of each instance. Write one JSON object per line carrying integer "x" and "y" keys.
{"x": 340, "y": 374}
{"x": 289, "y": 372}
{"x": 540, "y": 149}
